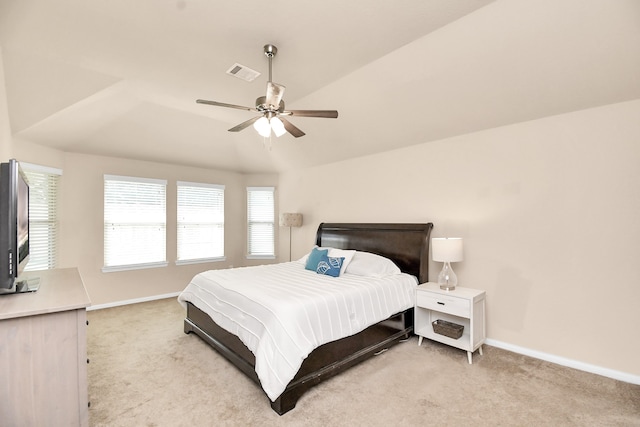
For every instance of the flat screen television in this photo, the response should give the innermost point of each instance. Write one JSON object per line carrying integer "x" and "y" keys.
{"x": 14, "y": 229}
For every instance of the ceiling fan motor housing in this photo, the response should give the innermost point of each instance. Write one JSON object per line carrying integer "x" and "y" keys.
{"x": 262, "y": 106}
{"x": 270, "y": 50}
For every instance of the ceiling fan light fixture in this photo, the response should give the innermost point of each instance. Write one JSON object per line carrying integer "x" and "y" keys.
{"x": 263, "y": 127}
{"x": 270, "y": 106}
{"x": 277, "y": 126}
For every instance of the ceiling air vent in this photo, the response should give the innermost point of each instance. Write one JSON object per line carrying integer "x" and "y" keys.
{"x": 242, "y": 72}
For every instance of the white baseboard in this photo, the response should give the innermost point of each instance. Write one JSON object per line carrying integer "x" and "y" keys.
{"x": 605, "y": 372}
{"x": 133, "y": 301}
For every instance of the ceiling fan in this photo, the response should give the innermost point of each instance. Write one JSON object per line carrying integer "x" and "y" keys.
{"x": 271, "y": 109}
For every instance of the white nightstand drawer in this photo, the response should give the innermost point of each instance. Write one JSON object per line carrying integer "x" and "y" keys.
{"x": 443, "y": 303}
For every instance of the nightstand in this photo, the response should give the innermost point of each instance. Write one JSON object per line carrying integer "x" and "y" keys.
{"x": 463, "y": 306}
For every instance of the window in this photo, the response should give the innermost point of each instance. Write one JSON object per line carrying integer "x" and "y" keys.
{"x": 135, "y": 223}
{"x": 200, "y": 222}
{"x": 43, "y": 216}
{"x": 260, "y": 222}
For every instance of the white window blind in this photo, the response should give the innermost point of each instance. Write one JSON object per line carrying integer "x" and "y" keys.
{"x": 135, "y": 223}
{"x": 260, "y": 219}
{"x": 43, "y": 216}
{"x": 200, "y": 222}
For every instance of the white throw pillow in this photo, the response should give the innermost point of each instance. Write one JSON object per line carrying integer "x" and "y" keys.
{"x": 372, "y": 265}
{"x": 342, "y": 253}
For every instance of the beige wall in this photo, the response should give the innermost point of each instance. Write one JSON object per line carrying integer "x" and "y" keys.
{"x": 548, "y": 211}
{"x": 5, "y": 127}
{"x": 82, "y": 220}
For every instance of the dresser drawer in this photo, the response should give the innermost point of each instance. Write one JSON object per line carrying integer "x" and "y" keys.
{"x": 443, "y": 303}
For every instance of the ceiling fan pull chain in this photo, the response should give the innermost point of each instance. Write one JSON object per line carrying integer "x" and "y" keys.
{"x": 266, "y": 143}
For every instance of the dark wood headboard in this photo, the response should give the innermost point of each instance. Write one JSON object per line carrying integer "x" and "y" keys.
{"x": 405, "y": 244}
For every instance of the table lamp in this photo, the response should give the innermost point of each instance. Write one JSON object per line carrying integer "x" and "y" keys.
{"x": 447, "y": 250}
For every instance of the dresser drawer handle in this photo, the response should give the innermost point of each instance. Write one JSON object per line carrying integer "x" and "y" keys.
{"x": 441, "y": 303}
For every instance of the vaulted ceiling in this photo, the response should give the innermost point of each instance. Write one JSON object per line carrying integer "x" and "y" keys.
{"x": 120, "y": 78}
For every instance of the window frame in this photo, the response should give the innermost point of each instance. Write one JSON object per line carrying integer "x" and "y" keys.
{"x": 185, "y": 261}
{"x": 52, "y": 207}
{"x": 271, "y": 255}
{"x": 137, "y": 265}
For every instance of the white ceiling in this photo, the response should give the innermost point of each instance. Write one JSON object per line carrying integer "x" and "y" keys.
{"x": 120, "y": 78}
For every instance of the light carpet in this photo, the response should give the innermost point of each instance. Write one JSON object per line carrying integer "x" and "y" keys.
{"x": 144, "y": 371}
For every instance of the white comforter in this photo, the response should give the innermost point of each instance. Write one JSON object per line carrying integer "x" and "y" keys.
{"x": 282, "y": 312}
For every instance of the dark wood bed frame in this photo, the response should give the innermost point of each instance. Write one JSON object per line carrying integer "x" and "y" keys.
{"x": 405, "y": 244}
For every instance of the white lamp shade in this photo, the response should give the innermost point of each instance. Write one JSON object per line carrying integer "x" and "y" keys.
{"x": 447, "y": 249}
{"x": 277, "y": 126}
{"x": 263, "y": 127}
{"x": 290, "y": 220}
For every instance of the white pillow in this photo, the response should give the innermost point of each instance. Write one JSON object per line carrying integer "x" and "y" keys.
{"x": 372, "y": 265}
{"x": 347, "y": 254}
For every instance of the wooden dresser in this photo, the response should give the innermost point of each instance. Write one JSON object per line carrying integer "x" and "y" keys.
{"x": 43, "y": 353}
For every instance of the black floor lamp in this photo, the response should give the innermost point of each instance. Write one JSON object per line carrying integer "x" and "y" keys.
{"x": 290, "y": 220}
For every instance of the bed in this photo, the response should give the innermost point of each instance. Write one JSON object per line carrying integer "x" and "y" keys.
{"x": 407, "y": 245}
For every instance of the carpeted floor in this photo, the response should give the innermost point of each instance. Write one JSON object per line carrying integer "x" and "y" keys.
{"x": 144, "y": 371}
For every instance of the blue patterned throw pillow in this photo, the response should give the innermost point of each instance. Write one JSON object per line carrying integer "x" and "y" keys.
{"x": 315, "y": 257}
{"x": 330, "y": 266}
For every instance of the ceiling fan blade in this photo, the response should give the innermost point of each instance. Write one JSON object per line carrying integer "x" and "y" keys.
{"x": 222, "y": 104}
{"x": 328, "y": 114}
{"x": 275, "y": 92}
{"x": 244, "y": 125}
{"x": 291, "y": 128}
